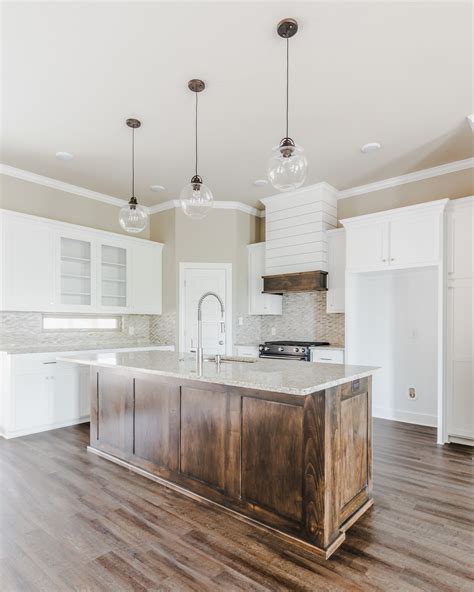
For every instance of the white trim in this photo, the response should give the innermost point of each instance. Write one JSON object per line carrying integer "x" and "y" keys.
{"x": 405, "y": 416}
{"x": 10, "y": 171}
{"x": 218, "y": 205}
{"x": 461, "y": 202}
{"x": 183, "y": 266}
{"x": 443, "y": 169}
{"x": 5, "y": 169}
{"x": 437, "y": 205}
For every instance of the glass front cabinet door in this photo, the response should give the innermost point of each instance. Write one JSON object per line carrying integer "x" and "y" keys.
{"x": 76, "y": 274}
{"x": 114, "y": 284}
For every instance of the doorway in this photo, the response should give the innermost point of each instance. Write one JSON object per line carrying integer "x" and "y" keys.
{"x": 195, "y": 279}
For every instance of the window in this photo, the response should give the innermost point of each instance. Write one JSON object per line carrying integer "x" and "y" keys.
{"x": 81, "y": 323}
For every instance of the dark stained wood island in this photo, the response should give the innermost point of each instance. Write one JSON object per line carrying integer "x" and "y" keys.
{"x": 284, "y": 444}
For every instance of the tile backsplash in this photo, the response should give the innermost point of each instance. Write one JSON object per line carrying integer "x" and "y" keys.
{"x": 304, "y": 318}
{"x": 25, "y": 329}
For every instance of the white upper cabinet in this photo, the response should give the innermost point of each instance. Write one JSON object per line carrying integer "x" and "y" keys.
{"x": 27, "y": 264}
{"x": 146, "y": 278}
{"x": 114, "y": 277}
{"x": 76, "y": 271}
{"x": 336, "y": 240}
{"x": 259, "y": 303}
{"x": 395, "y": 239}
{"x": 56, "y": 267}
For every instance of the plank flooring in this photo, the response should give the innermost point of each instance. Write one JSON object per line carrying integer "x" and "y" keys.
{"x": 70, "y": 520}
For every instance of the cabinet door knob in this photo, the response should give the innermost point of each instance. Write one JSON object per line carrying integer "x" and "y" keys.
{"x": 384, "y": 260}
{"x": 392, "y": 258}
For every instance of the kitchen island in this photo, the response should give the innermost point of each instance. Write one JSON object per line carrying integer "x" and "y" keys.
{"x": 285, "y": 445}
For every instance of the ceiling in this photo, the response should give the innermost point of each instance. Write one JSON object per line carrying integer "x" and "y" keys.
{"x": 399, "y": 73}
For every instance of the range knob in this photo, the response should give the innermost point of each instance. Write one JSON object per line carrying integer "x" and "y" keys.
{"x": 266, "y": 348}
{"x": 302, "y": 350}
{"x": 260, "y": 347}
{"x": 296, "y": 350}
{"x": 280, "y": 349}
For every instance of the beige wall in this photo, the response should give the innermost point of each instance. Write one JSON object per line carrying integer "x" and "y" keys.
{"x": 221, "y": 237}
{"x": 37, "y": 200}
{"x": 452, "y": 185}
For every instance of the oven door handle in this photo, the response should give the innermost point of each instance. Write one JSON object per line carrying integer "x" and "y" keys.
{"x": 270, "y": 357}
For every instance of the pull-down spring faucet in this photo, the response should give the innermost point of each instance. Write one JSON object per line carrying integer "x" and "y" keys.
{"x": 199, "y": 350}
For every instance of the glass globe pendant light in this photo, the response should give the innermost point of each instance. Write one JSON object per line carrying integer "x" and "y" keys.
{"x": 133, "y": 217}
{"x": 287, "y": 165}
{"x": 196, "y": 198}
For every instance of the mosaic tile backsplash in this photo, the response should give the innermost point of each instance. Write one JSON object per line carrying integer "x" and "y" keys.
{"x": 304, "y": 318}
{"x": 25, "y": 329}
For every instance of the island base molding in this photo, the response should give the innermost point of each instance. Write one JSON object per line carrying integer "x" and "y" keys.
{"x": 310, "y": 547}
{"x": 297, "y": 466}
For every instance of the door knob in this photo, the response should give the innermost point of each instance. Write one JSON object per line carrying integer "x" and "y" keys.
{"x": 221, "y": 342}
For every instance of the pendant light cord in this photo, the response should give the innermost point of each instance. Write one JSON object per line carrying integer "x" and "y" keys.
{"x": 133, "y": 162}
{"x": 196, "y": 133}
{"x": 287, "y": 81}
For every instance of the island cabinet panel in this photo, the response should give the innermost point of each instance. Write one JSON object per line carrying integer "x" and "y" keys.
{"x": 112, "y": 411}
{"x": 353, "y": 447}
{"x": 272, "y": 451}
{"x": 297, "y": 464}
{"x": 203, "y": 435}
{"x": 156, "y": 434}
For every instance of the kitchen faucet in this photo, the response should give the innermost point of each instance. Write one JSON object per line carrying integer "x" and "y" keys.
{"x": 199, "y": 350}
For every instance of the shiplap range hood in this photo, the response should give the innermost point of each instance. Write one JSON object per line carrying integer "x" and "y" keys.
{"x": 295, "y": 238}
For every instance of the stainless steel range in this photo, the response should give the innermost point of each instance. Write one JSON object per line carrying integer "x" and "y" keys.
{"x": 288, "y": 350}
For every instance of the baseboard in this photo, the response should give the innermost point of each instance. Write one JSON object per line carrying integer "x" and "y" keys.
{"x": 460, "y": 440}
{"x": 405, "y": 416}
{"x": 45, "y": 428}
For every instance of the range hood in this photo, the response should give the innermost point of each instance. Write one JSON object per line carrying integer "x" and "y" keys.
{"x": 304, "y": 281}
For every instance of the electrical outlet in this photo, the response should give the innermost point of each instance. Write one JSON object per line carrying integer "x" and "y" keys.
{"x": 241, "y": 321}
{"x": 412, "y": 392}
{"x": 131, "y": 330}
{"x": 274, "y": 331}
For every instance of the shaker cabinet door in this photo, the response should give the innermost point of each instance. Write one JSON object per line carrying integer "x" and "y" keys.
{"x": 414, "y": 240}
{"x": 367, "y": 246}
{"x": 28, "y": 266}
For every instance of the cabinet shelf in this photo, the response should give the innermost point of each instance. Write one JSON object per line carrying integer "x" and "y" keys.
{"x": 75, "y": 276}
{"x": 68, "y": 258}
{"x": 112, "y": 264}
{"x": 114, "y": 281}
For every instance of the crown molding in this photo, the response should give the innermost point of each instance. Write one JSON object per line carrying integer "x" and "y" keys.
{"x": 5, "y": 169}
{"x": 437, "y": 205}
{"x": 218, "y": 205}
{"x": 443, "y": 169}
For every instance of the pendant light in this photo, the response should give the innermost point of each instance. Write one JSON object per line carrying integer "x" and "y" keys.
{"x": 287, "y": 166}
{"x": 133, "y": 217}
{"x": 196, "y": 198}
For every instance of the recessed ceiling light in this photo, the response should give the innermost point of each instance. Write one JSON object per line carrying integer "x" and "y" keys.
{"x": 157, "y": 187}
{"x": 260, "y": 183}
{"x": 370, "y": 147}
{"x": 64, "y": 156}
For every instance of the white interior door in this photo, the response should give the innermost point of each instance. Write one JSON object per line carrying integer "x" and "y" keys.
{"x": 196, "y": 280}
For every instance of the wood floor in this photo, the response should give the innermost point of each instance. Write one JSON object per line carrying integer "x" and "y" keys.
{"x": 72, "y": 521}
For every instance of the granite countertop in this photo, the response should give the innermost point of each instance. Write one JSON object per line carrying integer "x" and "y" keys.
{"x": 44, "y": 349}
{"x": 284, "y": 376}
{"x": 338, "y": 347}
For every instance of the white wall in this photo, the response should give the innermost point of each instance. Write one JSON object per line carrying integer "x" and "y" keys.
{"x": 396, "y": 329}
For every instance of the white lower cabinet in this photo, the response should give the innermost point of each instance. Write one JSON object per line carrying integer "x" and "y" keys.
{"x": 39, "y": 393}
{"x": 327, "y": 356}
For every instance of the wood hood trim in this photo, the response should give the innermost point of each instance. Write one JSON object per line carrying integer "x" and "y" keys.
{"x": 304, "y": 281}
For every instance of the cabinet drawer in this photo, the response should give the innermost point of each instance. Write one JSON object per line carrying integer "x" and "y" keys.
{"x": 329, "y": 356}
{"x": 33, "y": 363}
